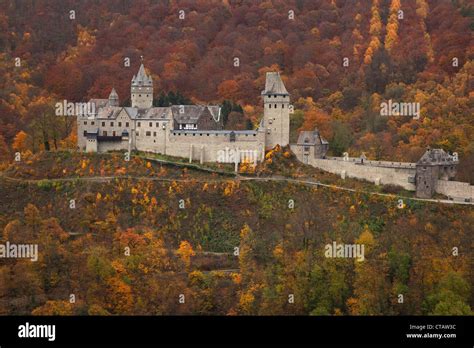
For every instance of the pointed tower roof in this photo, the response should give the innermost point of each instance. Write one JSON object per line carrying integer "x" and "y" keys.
{"x": 142, "y": 79}
{"x": 274, "y": 84}
{"x": 113, "y": 94}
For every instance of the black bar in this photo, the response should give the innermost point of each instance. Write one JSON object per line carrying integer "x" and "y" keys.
{"x": 195, "y": 330}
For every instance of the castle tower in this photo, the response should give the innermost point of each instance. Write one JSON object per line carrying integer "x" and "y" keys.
{"x": 276, "y": 114}
{"x": 434, "y": 165}
{"x": 142, "y": 90}
{"x": 113, "y": 98}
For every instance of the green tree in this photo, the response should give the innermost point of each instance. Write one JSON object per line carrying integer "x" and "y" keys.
{"x": 342, "y": 138}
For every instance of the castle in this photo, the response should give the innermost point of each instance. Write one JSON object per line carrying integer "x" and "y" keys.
{"x": 196, "y": 132}
{"x": 192, "y": 131}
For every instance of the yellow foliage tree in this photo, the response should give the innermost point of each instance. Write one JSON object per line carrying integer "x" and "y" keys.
{"x": 185, "y": 252}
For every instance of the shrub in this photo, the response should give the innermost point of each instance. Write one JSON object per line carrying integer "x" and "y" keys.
{"x": 390, "y": 188}
{"x": 44, "y": 185}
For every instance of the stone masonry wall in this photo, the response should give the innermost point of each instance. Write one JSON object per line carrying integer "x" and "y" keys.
{"x": 456, "y": 190}
{"x": 379, "y": 172}
{"x": 386, "y": 172}
{"x": 180, "y": 145}
{"x": 375, "y": 174}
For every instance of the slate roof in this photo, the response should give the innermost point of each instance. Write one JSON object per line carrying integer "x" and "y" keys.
{"x": 92, "y": 134}
{"x": 311, "y": 138}
{"x": 274, "y": 84}
{"x": 142, "y": 79}
{"x": 183, "y": 114}
{"x": 109, "y": 112}
{"x": 113, "y": 94}
{"x": 154, "y": 113}
{"x": 190, "y": 114}
{"x": 99, "y": 103}
{"x": 435, "y": 157}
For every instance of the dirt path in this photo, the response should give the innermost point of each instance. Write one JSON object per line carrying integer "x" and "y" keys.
{"x": 224, "y": 179}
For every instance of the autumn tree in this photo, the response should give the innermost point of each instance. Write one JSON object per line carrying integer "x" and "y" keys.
{"x": 185, "y": 251}
{"x": 20, "y": 142}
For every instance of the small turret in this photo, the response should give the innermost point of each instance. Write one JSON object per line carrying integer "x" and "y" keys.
{"x": 113, "y": 98}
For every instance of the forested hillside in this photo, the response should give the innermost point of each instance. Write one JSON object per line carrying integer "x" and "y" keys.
{"x": 230, "y": 247}
{"x": 211, "y": 51}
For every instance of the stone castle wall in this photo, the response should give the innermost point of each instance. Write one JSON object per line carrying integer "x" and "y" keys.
{"x": 386, "y": 172}
{"x": 211, "y": 143}
{"x": 379, "y": 175}
{"x": 192, "y": 144}
{"x": 456, "y": 190}
{"x": 104, "y": 146}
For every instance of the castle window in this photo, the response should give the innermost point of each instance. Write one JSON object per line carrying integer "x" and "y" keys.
{"x": 147, "y": 95}
{"x": 85, "y": 133}
{"x": 282, "y": 106}
{"x": 275, "y": 106}
{"x": 104, "y": 133}
{"x": 139, "y": 95}
{"x": 120, "y": 124}
{"x": 139, "y": 124}
{"x": 103, "y": 124}
{"x": 92, "y": 123}
{"x": 270, "y": 106}
{"x": 150, "y": 124}
{"x": 111, "y": 124}
{"x": 138, "y": 134}
{"x": 126, "y": 124}
{"x": 157, "y": 124}
{"x": 148, "y": 134}
{"x": 85, "y": 123}
{"x": 154, "y": 134}
{"x": 113, "y": 133}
